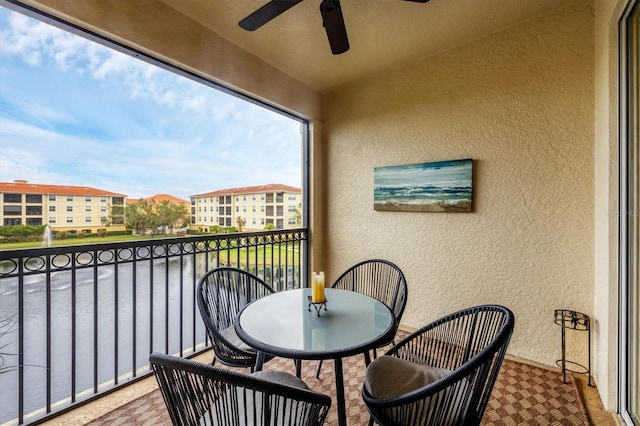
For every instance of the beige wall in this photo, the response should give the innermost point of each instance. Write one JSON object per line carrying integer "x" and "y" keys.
{"x": 520, "y": 103}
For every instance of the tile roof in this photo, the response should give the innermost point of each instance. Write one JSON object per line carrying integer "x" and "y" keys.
{"x": 159, "y": 198}
{"x": 25, "y": 187}
{"x": 272, "y": 187}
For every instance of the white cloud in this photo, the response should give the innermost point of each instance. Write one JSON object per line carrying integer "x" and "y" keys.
{"x": 188, "y": 137}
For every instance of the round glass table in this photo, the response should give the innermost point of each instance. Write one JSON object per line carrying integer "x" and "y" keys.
{"x": 286, "y": 324}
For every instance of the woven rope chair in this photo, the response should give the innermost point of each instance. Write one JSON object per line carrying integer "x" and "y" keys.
{"x": 221, "y": 295}
{"x": 381, "y": 280}
{"x": 462, "y": 353}
{"x": 199, "y": 394}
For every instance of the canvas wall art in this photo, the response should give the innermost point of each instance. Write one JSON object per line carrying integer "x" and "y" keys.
{"x": 443, "y": 186}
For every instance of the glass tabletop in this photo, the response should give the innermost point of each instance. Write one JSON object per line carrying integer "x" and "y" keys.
{"x": 284, "y": 324}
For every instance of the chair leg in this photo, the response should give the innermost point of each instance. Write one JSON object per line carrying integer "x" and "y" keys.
{"x": 298, "y": 364}
{"x": 319, "y": 368}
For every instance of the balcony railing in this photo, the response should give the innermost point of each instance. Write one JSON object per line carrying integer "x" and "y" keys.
{"x": 84, "y": 318}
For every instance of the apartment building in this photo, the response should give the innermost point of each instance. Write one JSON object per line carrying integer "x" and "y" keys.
{"x": 62, "y": 207}
{"x": 257, "y": 206}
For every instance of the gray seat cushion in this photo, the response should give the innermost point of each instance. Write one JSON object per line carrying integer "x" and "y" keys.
{"x": 230, "y": 334}
{"x": 281, "y": 377}
{"x": 389, "y": 377}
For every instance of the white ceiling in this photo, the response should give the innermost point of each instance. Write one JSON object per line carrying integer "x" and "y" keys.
{"x": 383, "y": 34}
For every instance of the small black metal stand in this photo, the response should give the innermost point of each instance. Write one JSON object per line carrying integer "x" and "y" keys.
{"x": 317, "y": 306}
{"x": 576, "y": 321}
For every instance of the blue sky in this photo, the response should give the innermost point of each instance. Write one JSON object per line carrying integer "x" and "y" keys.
{"x": 73, "y": 112}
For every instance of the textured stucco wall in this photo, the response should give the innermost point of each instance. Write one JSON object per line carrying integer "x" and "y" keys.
{"x": 520, "y": 102}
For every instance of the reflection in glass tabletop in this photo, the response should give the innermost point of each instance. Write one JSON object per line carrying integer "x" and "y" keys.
{"x": 284, "y": 324}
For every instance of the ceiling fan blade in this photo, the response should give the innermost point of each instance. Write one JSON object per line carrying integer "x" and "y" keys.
{"x": 333, "y": 22}
{"x": 266, "y": 13}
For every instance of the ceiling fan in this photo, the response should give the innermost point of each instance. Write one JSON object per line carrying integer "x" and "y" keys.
{"x": 332, "y": 20}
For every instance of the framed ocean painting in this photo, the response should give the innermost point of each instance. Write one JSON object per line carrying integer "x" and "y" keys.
{"x": 443, "y": 186}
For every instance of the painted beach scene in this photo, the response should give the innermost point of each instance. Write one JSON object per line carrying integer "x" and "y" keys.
{"x": 442, "y": 186}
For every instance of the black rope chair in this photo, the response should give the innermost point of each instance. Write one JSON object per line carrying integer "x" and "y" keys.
{"x": 199, "y": 394}
{"x": 443, "y": 373}
{"x": 221, "y": 294}
{"x": 380, "y": 279}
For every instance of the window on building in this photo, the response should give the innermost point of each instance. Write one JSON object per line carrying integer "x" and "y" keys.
{"x": 253, "y": 208}
{"x": 221, "y": 200}
{"x": 253, "y": 221}
{"x": 228, "y": 221}
{"x": 237, "y": 209}
{"x": 69, "y": 208}
{"x": 291, "y": 197}
{"x": 52, "y": 220}
{"x": 34, "y": 211}
{"x": 103, "y": 219}
{"x": 12, "y": 211}
{"x": 52, "y": 208}
{"x": 34, "y": 221}
{"x": 291, "y": 221}
{"x": 291, "y": 209}
{"x": 52, "y": 197}
{"x": 103, "y": 199}
{"x": 69, "y": 197}
{"x": 253, "y": 197}
{"x": 12, "y": 221}
{"x": 262, "y": 209}
{"x": 117, "y": 200}
{"x": 34, "y": 198}
{"x": 87, "y": 208}
{"x": 12, "y": 198}
{"x": 228, "y": 200}
{"x": 69, "y": 219}
{"x": 262, "y": 221}
{"x": 103, "y": 208}
{"x": 87, "y": 198}
{"x": 228, "y": 211}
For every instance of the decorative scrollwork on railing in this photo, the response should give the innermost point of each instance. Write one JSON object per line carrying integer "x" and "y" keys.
{"x": 39, "y": 260}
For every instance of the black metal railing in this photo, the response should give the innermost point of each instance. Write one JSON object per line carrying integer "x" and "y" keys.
{"x": 87, "y": 316}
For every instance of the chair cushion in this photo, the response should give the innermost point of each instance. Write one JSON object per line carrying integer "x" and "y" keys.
{"x": 230, "y": 334}
{"x": 389, "y": 377}
{"x": 281, "y": 377}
